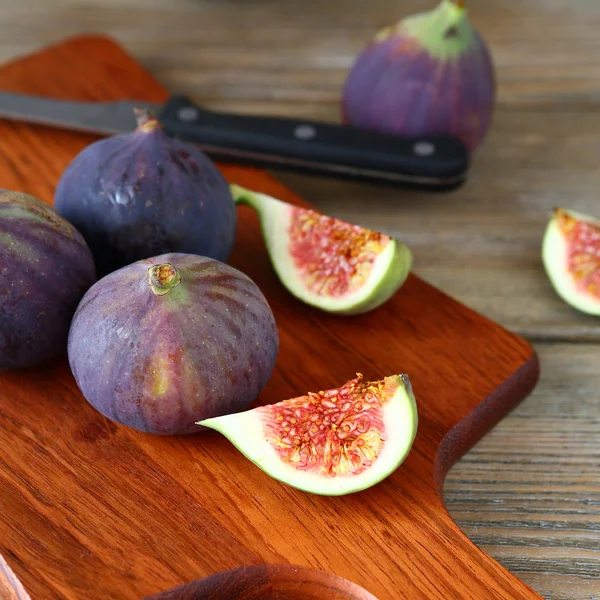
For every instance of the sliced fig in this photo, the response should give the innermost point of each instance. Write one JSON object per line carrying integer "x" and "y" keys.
{"x": 332, "y": 442}
{"x": 571, "y": 256}
{"x": 326, "y": 262}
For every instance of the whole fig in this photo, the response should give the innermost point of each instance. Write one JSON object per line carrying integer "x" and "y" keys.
{"x": 45, "y": 269}
{"x": 166, "y": 341}
{"x": 431, "y": 73}
{"x": 141, "y": 194}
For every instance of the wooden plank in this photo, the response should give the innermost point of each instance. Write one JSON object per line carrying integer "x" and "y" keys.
{"x": 73, "y": 482}
{"x": 483, "y": 250}
{"x": 547, "y": 53}
{"x": 529, "y": 492}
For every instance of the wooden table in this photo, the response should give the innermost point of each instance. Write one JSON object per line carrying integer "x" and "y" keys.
{"x": 529, "y": 494}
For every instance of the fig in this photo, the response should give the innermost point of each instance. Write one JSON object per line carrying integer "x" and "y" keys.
{"x": 45, "y": 268}
{"x": 325, "y": 262}
{"x": 332, "y": 442}
{"x": 142, "y": 194}
{"x": 571, "y": 257}
{"x": 166, "y": 340}
{"x": 430, "y": 73}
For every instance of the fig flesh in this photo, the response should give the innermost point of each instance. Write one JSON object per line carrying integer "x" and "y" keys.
{"x": 571, "y": 257}
{"x": 143, "y": 194}
{"x": 325, "y": 262}
{"x": 164, "y": 341}
{"x": 333, "y": 442}
{"x": 431, "y": 73}
{"x": 45, "y": 269}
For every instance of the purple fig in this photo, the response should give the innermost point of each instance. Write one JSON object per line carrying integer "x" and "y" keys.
{"x": 144, "y": 193}
{"x": 45, "y": 269}
{"x": 431, "y": 73}
{"x": 167, "y": 341}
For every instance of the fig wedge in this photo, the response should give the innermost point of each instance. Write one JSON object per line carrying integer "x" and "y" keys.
{"x": 326, "y": 262}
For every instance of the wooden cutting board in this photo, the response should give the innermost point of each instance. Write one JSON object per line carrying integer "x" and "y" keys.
{"x": 91, "y": 509}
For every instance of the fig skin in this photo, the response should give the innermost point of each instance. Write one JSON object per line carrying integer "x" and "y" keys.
{"x": 312, "y": 268}
{"x": 332, "y": 459}
{"x": 571, "y": 258}
{"x": 159, "y": 356}
{"x": 429, "y": 74}
{"x": 142, "y": 194}
{"x": 45, "y": 269}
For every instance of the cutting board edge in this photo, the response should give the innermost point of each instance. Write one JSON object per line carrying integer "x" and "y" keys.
{"x": 484, "y": 417}
{"x": 82, "y": 37}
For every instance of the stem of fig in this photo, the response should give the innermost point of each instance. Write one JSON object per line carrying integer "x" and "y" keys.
{"x": 163, "y": 278}
{"x": 145, "y": 119}
{"x": 445, "y": 31}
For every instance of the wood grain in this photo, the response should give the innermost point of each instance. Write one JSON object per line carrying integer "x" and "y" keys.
{"x": 529, "y": 493}
{"x": 481, "y": 245}
{"x": 267, "y": 582}
{"x": 89, "y": 505}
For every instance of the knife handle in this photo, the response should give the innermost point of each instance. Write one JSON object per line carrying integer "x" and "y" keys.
{"x": 433, "y": 162}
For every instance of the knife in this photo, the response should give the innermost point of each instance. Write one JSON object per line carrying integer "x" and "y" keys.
{"x": 436, "y": 162}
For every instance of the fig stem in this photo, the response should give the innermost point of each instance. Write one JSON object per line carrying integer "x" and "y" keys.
{"x": 163, "y": 278}
{"x": 146, "y": 120}
{"x": 461, "y": 3}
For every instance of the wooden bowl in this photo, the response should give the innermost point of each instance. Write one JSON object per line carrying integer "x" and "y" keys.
{"x": 268, "y": 582}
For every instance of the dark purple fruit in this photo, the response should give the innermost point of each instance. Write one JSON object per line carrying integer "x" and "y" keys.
{"x": 430, "y": 73}
{"x": 142, "y": 194}
{"x": 45, "y": 268}
{"x": 170, "y": 340}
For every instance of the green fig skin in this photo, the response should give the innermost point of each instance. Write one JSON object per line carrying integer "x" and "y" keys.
{"x": 571, "y": 259}
{"x": 323, "y": 459}
{"x": 296, "y": 261}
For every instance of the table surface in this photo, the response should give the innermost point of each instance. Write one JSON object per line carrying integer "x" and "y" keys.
{"x": 529, "y": 493}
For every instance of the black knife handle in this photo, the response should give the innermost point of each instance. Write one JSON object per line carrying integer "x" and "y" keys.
{"x": 436, "y": 162}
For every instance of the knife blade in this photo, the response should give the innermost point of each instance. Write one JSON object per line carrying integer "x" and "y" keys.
{"x": 436, "y": 162}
